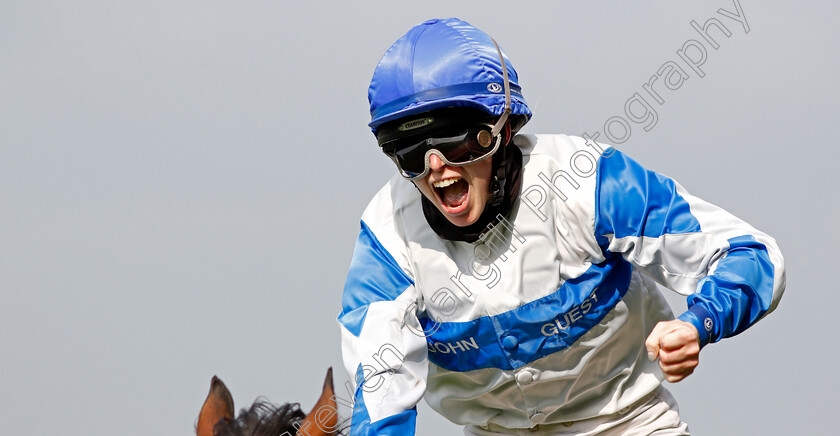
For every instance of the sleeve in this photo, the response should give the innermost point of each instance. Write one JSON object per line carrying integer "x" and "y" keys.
{"x": 732, "y": 274}
{"x": 383, "y": 346}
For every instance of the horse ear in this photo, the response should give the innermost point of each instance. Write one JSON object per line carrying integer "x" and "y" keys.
{"x": 218, "y": 406}
{"x": 323, "y": 419}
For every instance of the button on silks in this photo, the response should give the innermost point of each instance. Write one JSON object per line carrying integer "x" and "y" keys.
{"x": 482, "y": 251}
{"x": 510, "y": 342}
{"x": 537, "y": 418}
{"x": 524, "y": 377}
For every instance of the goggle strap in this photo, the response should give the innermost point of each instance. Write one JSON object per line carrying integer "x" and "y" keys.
{"x": 501, "y": 122}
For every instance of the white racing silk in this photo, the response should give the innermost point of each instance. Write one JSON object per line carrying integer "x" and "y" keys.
{"x": 543, "y": 320}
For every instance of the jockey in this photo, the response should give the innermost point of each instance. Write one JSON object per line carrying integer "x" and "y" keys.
{"x": 510, "y": 279}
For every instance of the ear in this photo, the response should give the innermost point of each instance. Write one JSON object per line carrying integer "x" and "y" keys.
{"x": 323, "y": 419}
{"x": 507, "y": 130}
{"x": 217, "y": 407}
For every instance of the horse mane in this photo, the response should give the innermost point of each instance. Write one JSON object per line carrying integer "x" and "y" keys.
{"x": 263, "y": 419}
{"x": 266, "y": 419}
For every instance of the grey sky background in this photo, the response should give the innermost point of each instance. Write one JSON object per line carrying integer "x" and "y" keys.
{"x": 181, "y": 184}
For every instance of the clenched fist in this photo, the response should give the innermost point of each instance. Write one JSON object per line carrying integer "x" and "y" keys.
{"x": 677, "y": 345}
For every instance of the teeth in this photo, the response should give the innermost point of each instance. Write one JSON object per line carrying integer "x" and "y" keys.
{"x": 447, "y": 182}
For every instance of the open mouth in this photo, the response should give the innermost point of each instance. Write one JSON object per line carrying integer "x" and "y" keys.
{"x": 453, "y": 194}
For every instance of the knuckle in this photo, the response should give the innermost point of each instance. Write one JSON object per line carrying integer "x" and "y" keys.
{"x": 689, "y": 335}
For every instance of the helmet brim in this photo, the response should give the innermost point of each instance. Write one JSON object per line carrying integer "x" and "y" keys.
{"x": 488, "y": 104}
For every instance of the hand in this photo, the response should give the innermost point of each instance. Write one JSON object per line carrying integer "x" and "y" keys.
{"x": 677, "y": 345}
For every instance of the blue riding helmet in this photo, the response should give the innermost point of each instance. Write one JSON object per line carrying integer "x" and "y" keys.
{"x": 438, "y": 64}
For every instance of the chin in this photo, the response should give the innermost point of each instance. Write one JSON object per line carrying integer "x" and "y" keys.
{"x": 460, "y": 222}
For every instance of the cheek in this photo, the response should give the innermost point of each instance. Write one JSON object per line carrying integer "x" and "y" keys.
{"x": 479, "y": 189}
{"x": 481, "y": 179}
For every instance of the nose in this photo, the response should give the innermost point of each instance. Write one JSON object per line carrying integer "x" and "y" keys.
{"x": 435, "y": 163}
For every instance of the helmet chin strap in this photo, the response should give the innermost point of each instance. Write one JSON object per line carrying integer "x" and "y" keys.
{"x": 499, "y": 179}
{"x": 497, "y": 128}
{"x": 497, "y": 184}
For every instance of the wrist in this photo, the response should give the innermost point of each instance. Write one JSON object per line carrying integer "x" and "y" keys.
{"x": 702, "y": 320}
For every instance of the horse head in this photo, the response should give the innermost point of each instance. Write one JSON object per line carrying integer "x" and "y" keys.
{"x": 265, "y": 419}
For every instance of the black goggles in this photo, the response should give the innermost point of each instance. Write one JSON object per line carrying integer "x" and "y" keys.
{"x": 455, "y": 148}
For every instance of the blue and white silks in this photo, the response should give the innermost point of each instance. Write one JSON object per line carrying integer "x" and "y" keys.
{"x": 544, "y": 318}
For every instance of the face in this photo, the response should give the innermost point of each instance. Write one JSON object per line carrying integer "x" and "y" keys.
{"x": 460, "y": 193}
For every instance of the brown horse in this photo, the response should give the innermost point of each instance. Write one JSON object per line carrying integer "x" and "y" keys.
{"x": 265, "y": 419}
